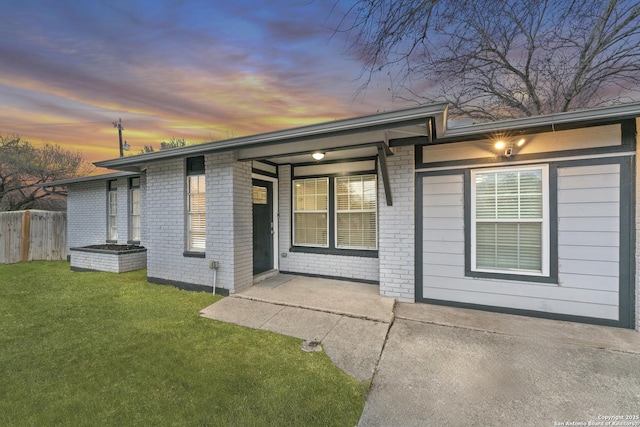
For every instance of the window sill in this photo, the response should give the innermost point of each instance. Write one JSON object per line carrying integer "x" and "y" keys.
{"x": 362, "y": 253}
{"x": 133, "y": 242}
{"x": 513, "y": 277}
{"x": 193, "y": 254}
{"x": 111, "y": 241}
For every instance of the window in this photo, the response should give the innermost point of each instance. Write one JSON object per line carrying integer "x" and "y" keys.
{"x": 112, "y": 218}
{"x": 134, "y": 214}
{"x": 196, "y": 222}
{"x": 310, "y": 212}
{"x": 336, "y": 215}
{"x": 510, "y": 220}
{"x": 356, "y": 212}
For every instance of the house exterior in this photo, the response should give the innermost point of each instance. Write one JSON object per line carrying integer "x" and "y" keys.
{"x": 533, "y": 216}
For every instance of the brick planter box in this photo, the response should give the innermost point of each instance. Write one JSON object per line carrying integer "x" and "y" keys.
{"x": 118, "y": 259}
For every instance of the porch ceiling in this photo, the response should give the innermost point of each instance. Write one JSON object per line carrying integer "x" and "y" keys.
{"x": 335, "y": 147}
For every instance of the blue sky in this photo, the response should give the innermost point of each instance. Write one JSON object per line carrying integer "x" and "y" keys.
{"x": 200, "y": 70}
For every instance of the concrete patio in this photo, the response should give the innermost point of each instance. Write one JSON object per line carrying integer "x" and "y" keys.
{"x": 349, "y": 319}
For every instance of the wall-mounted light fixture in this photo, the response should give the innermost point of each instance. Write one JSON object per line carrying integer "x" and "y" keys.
{"x": 507, "y": 147}
{"x": 318, "y": 156}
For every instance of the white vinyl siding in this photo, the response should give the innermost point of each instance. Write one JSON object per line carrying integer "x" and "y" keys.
{"x": 197, "y": 224}
{"x": 588, "y": 248}
{"x": 112, "y": 223}
{"x": 510, "y": 220}
{"x": 356, "y": 212}
{"x": 311, "y": 212}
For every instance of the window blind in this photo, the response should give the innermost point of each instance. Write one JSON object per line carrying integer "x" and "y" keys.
{"x": 197, "y": 212}
{"x": 356, "y": 212}
{"x": 509, "y": 219}
{"x": 310, "y": 210}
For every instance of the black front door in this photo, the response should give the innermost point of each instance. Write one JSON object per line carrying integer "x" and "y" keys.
{"x": 262, "y": 226}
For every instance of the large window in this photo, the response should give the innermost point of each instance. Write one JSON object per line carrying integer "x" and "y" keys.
{"x": 337, "y": 214}
{"x": 510, "y": 220}
{"x": 197, "y": 222}
{"x": 112, "y": 216}
{"x": 311, "y": 212}
{"x": 134, "y": 213}
{"x": 356, "y": 212}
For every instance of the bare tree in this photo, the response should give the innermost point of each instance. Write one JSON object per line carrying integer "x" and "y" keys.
{"x": 173, "y": 142}
{"x": 495, "y": 59}
{"x": 23, "y": 166}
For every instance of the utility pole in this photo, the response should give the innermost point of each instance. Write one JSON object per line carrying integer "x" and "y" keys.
{"x": 118, "y": 125}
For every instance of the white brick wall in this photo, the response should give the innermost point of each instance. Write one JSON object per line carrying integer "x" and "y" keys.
{"x": 229, "y": 220}
{"x": 86, "y": 214}
{"x": 242, "y": 225}
{"x": 229, "y": 237}
{"x": 330, "y": 265}
{"x": 396, "y": 227}
{"x": 111, "y": 263}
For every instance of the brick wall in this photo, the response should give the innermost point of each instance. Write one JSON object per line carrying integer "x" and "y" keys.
{"x": 348, "y": 267}
{"x": 229, "y": 236}
{"x": 396, "y": 227}
{"x": 242, "y": 225}
{"x": 112, "y": 263}
{"x": 87, "y": 214}
{"x": 229, "y": 220}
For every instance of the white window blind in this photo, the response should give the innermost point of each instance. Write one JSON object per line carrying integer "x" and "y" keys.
{"x": 135, "y": 214}
{"x": 356, "y": 212}
{"x": 197, "y": 212}
{"x": 510, "y": 220}
{"x": 310, "y": 211}
{"x": 112, "y": 227}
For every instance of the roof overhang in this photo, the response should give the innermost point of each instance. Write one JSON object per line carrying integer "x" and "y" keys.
{"x": 355, "y": 137}
{"x": 107, "y": 176}
{"x": 546, "y": 123}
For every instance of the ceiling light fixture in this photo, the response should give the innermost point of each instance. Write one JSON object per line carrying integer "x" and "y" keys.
{"x": 318, "y": 156}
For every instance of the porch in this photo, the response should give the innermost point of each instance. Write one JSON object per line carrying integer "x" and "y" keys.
{"x": 352, "y": 299}
{"x": 349, "y": 320}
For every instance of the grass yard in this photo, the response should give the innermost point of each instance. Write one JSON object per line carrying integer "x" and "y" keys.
{"x": 110, "y": 349}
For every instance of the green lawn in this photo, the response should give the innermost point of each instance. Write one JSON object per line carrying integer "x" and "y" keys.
{"x": 111, "y": 349}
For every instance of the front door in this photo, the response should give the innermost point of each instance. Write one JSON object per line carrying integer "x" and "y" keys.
{"x": 262, "y": 226}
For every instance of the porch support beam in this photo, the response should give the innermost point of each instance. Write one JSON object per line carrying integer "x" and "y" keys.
{"x": 384, "y": 170}
{"x": 431, "y": 129}
{"x": 385, "y": 144}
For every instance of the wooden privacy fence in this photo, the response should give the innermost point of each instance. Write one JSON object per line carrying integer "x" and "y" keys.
{"x": 32, "y": 235}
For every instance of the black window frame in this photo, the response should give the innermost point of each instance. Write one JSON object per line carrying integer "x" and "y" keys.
{"x": 331, "y": 249}
{"x": 194, "y": 166}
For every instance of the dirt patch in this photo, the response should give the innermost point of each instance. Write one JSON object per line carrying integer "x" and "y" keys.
{"x": 114, "y": 247}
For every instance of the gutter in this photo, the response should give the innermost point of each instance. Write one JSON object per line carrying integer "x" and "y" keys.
{"x": 594, "y": 116}
{"x": 317, "y": 130}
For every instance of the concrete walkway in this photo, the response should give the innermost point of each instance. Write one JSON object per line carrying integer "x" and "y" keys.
{"x": 350, "y": 320}
{"x": 449, "y": 366}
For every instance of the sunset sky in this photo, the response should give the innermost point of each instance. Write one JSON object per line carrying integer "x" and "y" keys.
{"x": 199, "y": 70}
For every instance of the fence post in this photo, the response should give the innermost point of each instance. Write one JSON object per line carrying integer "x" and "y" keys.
{"x": 25, "y": 236}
